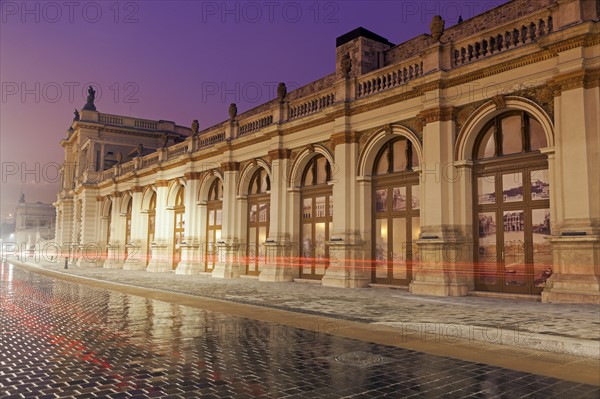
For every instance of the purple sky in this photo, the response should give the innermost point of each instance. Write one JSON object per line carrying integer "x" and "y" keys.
{"x": 172, "y": 60}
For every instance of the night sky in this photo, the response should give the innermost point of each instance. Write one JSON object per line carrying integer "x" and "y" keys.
{"x": 170, "y": 60}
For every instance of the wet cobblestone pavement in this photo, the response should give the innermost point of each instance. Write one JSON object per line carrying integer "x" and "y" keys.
{"x": 59, "y": 339}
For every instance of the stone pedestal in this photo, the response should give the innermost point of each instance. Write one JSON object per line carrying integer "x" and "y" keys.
{"x": 347, "y": 268}
{"x": 161, "y": 259}
{"x": 576, "y": 270}
{"x": 281, "y": 262}
{"x": 441, "y": 268}
{"x": 114, "y": 259}
{"x": 135, "y": 259}
{"x": 228, "y": 264}
{"x": 190, "y": 258}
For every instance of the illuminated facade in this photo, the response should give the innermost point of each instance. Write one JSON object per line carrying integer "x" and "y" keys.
{"x": 465, "y": 160}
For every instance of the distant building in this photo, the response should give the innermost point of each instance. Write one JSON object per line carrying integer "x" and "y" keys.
{"x": 34, "y": 221}
{"x": 382, "y": 159}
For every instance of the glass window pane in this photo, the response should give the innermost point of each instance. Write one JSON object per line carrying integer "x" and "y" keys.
{"x": 487, "y": 147}
{"x": 416, "y": 231}
{"x": 536, "y": 135}
{"x": 320, "y": 207}
{"x": 381, "y": 248}
{"x": 253, "y": 214}
{"x": 320, "y": 239}
{"x": 542, "y": 250}
{"x": 540, "y": 184}
{"x": 211, "y": 218}
{"x": 218, "y": 217}
{"x": 486, "y": 190}
{"x": 399, "y": 151}
{"x": 512, "y": 141}
{"x": 416, "y": 197}
{"x": 307, "y": 244}
{"x": 251, "y": 247}
{"x": 487, "y": 267}
{"x": 512, "y": 187}
{"x": 399, "y": 199}
{"x": 399, "y": 248}
{"x": 514, "y": 248}
{"x": 330, "y": 205}
{"x": 381, "y": 200}
{"x": 263, "y": 210}
{"x": 382, "y": 165}
{"x": 307, "y": 208}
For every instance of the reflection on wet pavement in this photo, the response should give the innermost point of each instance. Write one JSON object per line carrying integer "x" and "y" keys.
{"x": 60, "y": 339}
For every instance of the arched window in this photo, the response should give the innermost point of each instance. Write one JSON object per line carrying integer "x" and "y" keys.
{"x": 258, "y": 220}
{"x": 396, "y": 204}
{"x": 510, "y": 133}
{"x": 214, "y": 210}
{"x": 128, "y": 225}
{"x": 512, "y": 206}
{"x": 316, "y": 217}
{"x": 151, "y": 227}
{"x": 179, "y": 227}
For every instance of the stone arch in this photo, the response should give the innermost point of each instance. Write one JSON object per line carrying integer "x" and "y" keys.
{"x": 248, "y": 172}
{"x": 206, "y": 182}
{"x": 366, "y": 159}
{"x": 304, "y": 158}
{"x": 174, "y": 187}
{"x": 147, "y": 196}
{"x": 106, "y": 207}
{"x": 467, "y": 136}
{"x": 125, "y": 199}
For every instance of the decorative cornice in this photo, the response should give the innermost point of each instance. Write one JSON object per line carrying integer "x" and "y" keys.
{"x": 230, "y": 166}
{"x": 280, "y": 153}
{"x": 99, "y": 198}
{"x": 137, "y": 189}
{"x": 587, "y": 79}
{"x": 162, "y": 183}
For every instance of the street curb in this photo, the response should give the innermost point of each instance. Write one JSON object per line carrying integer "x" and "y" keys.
{"x": 427, "y": 332}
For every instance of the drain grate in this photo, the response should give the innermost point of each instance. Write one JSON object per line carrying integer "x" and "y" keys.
{"x": 359, "y": 359}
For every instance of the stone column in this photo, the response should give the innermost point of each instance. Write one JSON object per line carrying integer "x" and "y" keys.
{"x": 161, "y": 258}
{"x": 116, "y": 243}
{"x": 444, "y": 238}
{"x": 228, "y": 263}
{"x": 346, "y": 246}
{"x": 136, "y": 248}
{"x": 190, "y": 248}
{"x": 279, "y": 245}
{"x": 575, "y": 185}
{"x": 91, "y": 251}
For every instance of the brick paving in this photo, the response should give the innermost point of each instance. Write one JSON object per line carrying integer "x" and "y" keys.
{"x": 564, "y": 328}
{"x": 60, "y": 339}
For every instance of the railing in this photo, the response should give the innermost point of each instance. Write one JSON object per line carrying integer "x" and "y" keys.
{"x": 311, "y": 106}
{"x": 177, "y": 149}
{"x": 522, "y": 34}
{"x": 107, "y": 174}
{"x": 255, "y": 125}
{"x": 113, "y": 120}
{"x": 211, "y": 140}
{"x": 149, "y": 160}
{"x": 145, "y": 125}
{"x": 128, "y": 167}
{"x": 393, "y": 76}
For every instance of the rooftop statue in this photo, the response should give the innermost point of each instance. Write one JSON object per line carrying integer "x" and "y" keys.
{"x": 195, "y": 127}
{"x": 76, "y": 115}
{"x": 281, "y": 91}
{"x": 89, "y": 105}
{"x": 232, "y": 111}
{"x": 437, "y": 27}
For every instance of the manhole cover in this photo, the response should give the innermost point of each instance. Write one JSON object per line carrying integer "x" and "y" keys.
{"x": 359, "y": 359}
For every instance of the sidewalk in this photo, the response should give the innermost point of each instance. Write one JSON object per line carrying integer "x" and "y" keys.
{"x": 560, "y": 328}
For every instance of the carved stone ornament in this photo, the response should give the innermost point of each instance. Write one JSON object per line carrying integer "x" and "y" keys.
{"x": 76, "y": 115}
{"x": 499, "y": 101}
{"x": 232, "y": 111}
{"x": 89, "y": 105}
{"x": 346, "y": 65}
{"x": 281, "y": 92}
{"x": 437, "y": 27}
{"x": 387, "y": 129}
{"x": 195, "y": 127}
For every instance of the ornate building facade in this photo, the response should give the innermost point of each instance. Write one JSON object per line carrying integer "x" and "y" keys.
{"x": 398, "y": 168}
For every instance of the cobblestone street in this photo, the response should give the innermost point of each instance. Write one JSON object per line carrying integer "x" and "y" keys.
{"x": 61, "y": 339}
